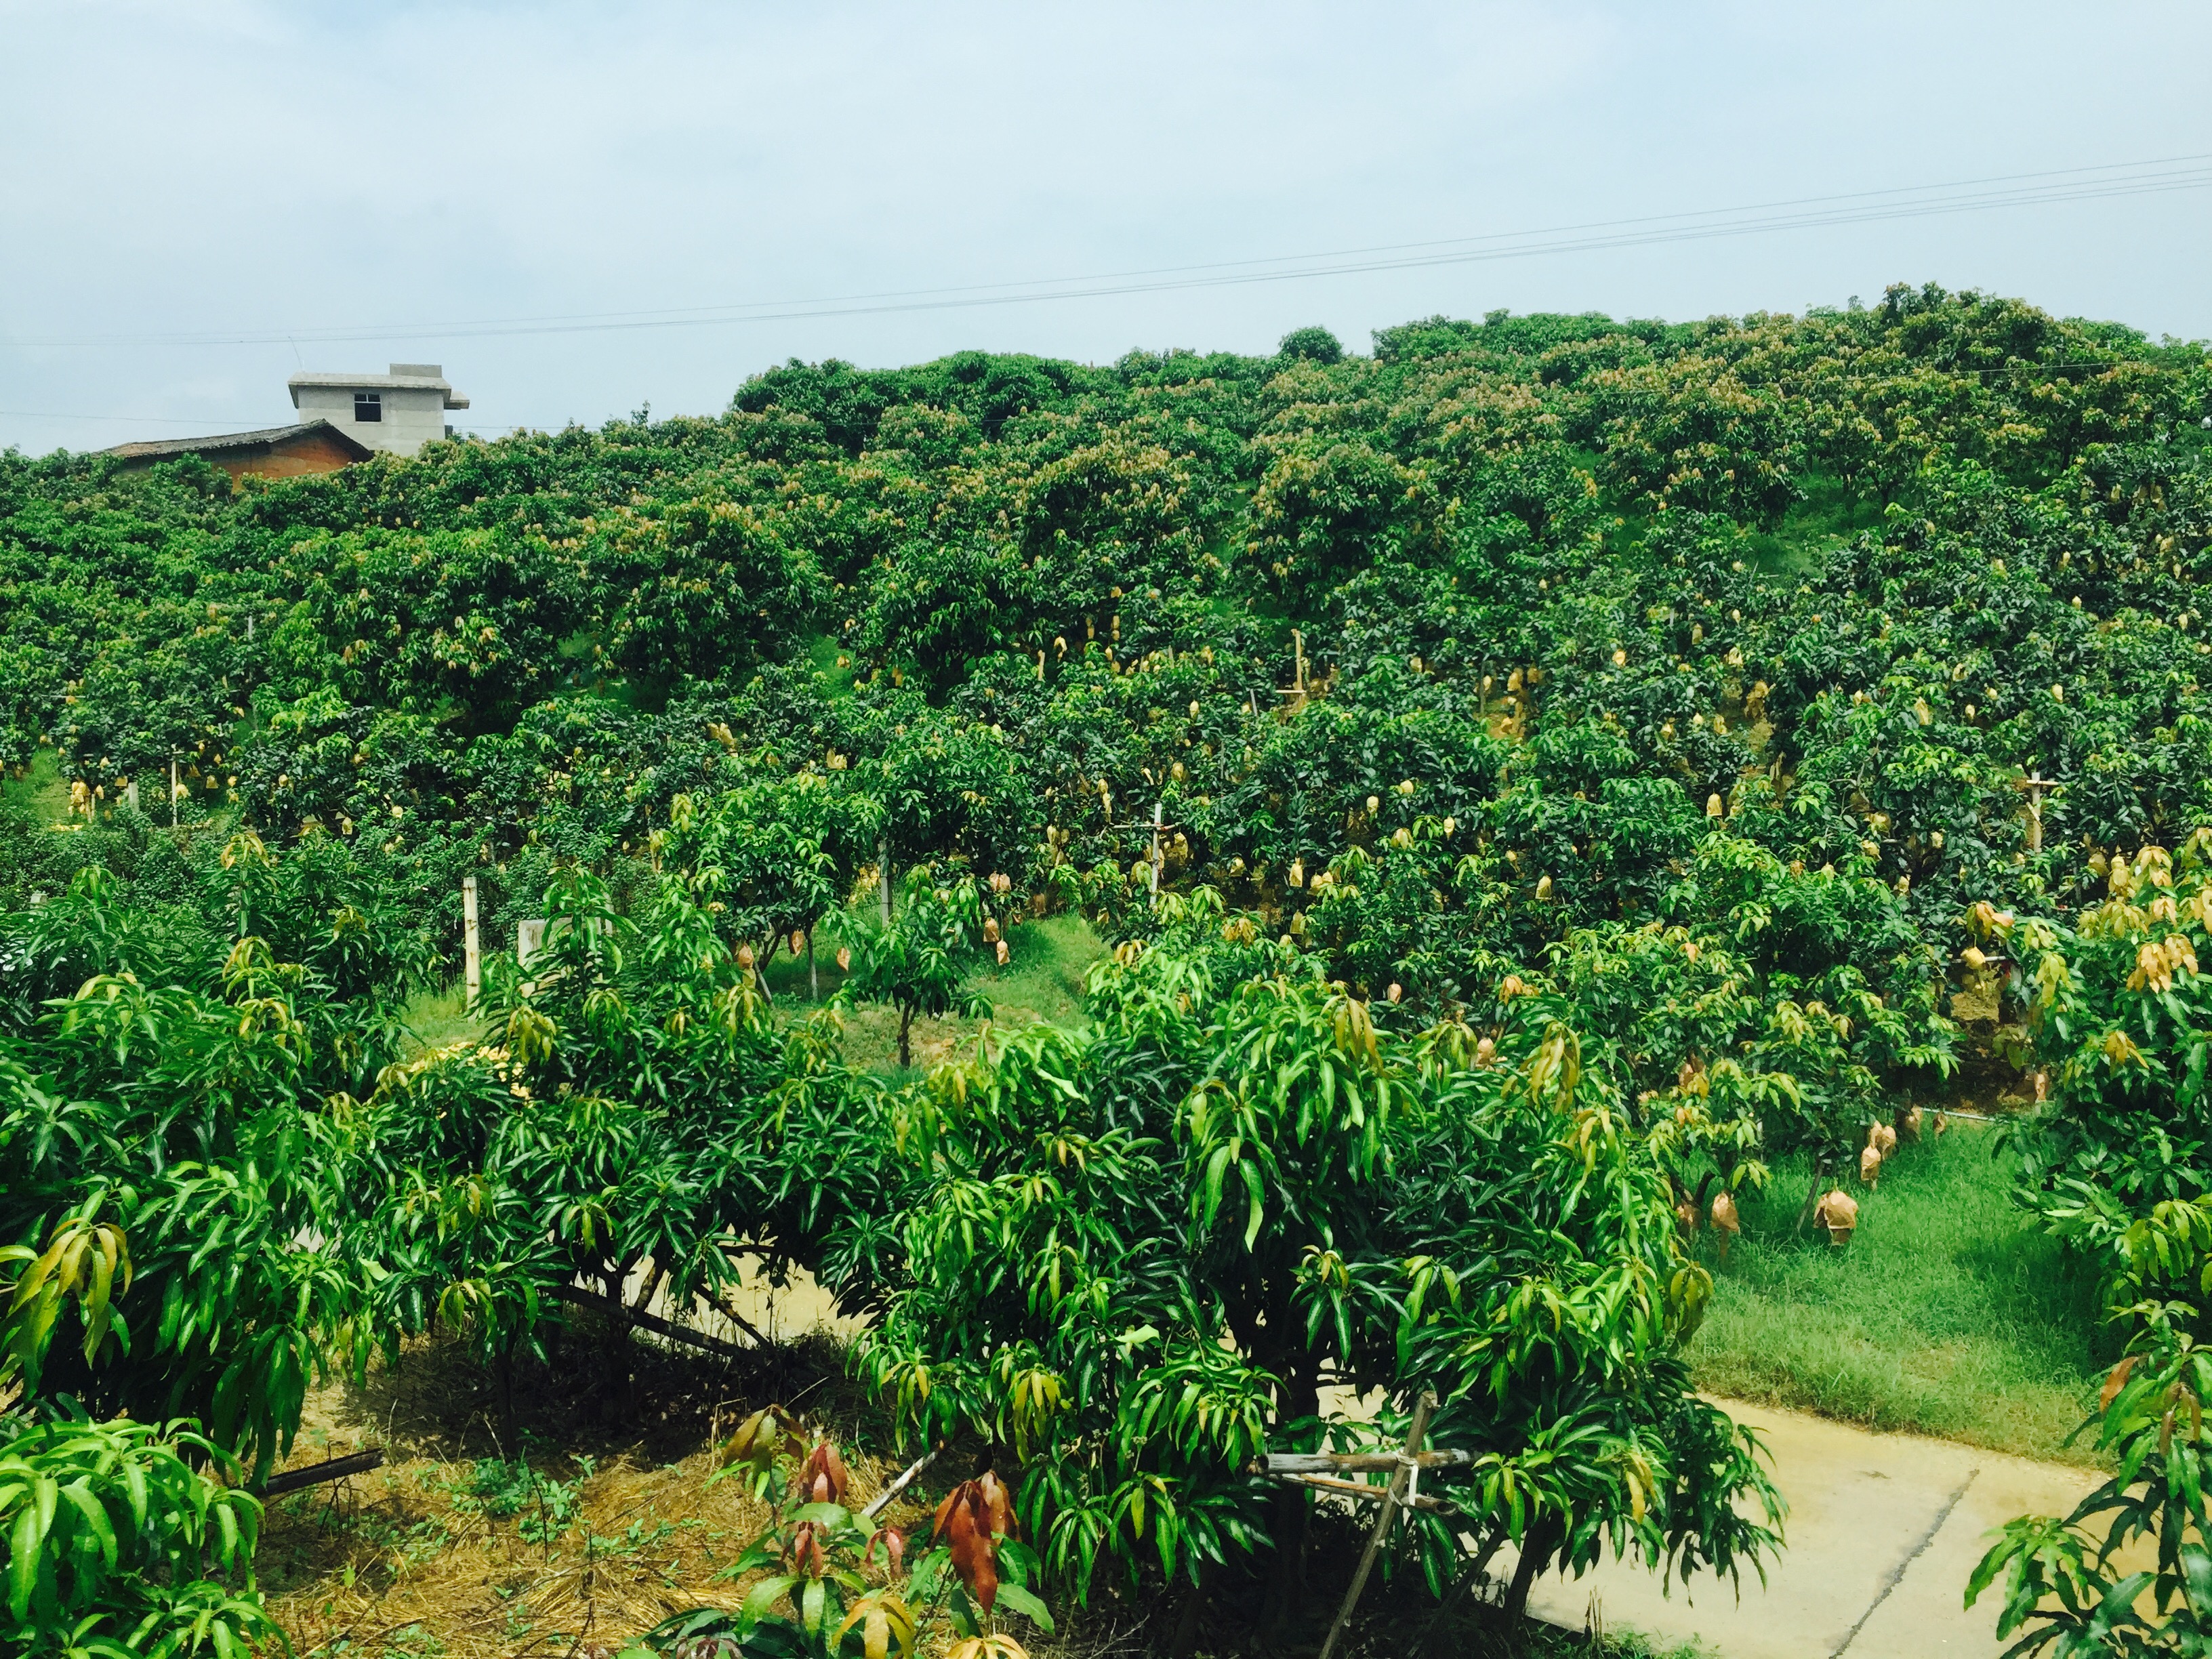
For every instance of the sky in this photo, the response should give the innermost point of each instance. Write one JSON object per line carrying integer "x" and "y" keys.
{"x": 183, "y": 187}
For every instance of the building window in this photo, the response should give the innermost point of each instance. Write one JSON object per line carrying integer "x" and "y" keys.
{"x": 368, "y": 405}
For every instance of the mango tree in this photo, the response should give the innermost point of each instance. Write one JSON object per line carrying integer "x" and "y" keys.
{"x": 1143, "y": 1250}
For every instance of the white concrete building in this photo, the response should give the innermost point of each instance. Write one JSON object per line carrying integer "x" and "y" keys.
{"x": 398, "y": 412}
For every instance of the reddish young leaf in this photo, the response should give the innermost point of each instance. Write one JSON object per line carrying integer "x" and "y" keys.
{"x": 998, "y": 1504}
{"x": 2116, "y": 1381}
{"x": 972, "y": 1518}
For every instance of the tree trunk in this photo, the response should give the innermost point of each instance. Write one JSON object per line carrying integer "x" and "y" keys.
{"x": 1543, "y": 1536}
{"x": 1185, "y": 1640}
{"x": 615, "y": 1354}
{"x": 1292, "y": 1509}
{"x": 506, "y": 1379}
{"x": 906, "y": 1027}
{"x": 1469, "y": 1580}
{"x": 1811, "y": 1200}
{"x": 648, "y": 1289}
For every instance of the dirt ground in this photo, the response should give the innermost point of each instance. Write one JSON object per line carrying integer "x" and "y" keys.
{"x": 604, "y": 1520}
{"x": 608, "y": 1517}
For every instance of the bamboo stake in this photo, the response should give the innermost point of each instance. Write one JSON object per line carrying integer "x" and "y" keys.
{"x": 1359, "y": 1489}
{"x": 882, "y": 1500}
{"x": 1400, "y": 1487}
{"x": 2034, "y": 787}
{"x": 1355, "y": 1462}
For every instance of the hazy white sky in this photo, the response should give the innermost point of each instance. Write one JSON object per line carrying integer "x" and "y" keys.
{"x": 223, "y": 166}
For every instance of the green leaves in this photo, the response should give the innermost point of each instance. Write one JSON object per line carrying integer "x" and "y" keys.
{"x": 2063, "y": 1584}
{"x": 108, "y": 1532}
{"x": 1332, "y": 1199}
{"x": 80, "y": 1261}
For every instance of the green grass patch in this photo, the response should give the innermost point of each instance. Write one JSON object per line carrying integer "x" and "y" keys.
{"x": 1942, "y": 1316}
{"x": 40, "y": 791}
{"x": 1042, "y": 982}
{"x": 439, "y": 1018}
{"x": 1823, "y": 521}
{"x": 833, "y": 667}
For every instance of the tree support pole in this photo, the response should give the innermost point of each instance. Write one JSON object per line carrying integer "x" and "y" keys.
{"x": 1401, "y": 1488}
{"x": 577, "y": 1295}
{"x": 882, "y": 1500}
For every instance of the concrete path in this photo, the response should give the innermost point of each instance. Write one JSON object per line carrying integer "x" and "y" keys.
{"x": 1882, "y": 1533}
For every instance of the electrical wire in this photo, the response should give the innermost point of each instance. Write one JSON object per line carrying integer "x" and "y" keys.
{"x": 2117, "y": 179}
{"x": 132, "y": 420}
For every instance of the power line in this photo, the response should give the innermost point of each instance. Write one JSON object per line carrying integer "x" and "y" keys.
{"x": 134, "y": 420}
{"x": 2172, "y": 173}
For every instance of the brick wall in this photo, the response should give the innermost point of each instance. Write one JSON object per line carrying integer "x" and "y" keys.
{"x": 319, "y": 452}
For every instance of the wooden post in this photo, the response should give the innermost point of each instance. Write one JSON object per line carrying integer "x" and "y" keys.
{"x": 130, "y": 792}
{"x": 1401, "y": 1487}
{"x": 2034, "y": 787}
{"x": 474, "y": 964}
{"x": 1295, "y": 693}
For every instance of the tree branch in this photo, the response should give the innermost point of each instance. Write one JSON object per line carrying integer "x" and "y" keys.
{"x": 579, "y": 1296}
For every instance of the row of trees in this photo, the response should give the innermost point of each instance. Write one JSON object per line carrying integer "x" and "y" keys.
{"x": 1035, "y": 598}
{"x": 1126, "y": 1259}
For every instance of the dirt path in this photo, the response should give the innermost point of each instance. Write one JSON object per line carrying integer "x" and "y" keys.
{"x": 1882, "y": 1532}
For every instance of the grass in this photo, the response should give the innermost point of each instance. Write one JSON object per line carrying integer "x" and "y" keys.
{"x": 40, "y": 791}
{"x": 440, "y": 1018}
{"x": 596, "y": 1516}
{"x": 1942, "y": 1316}
{"x": 1812, "y": 527}
{"x": 1043, "y": 982}
{"x": 833, "y": 669}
